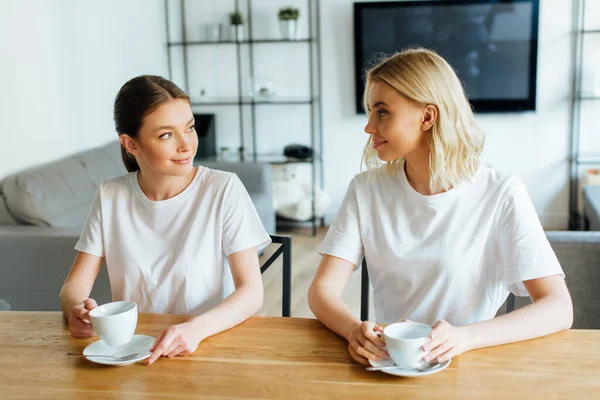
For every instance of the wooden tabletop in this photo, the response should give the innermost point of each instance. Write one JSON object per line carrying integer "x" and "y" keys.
{"x": 283, "y": 358}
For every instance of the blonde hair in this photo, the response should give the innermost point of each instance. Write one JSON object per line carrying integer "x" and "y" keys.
{"x": 424, "y": 77}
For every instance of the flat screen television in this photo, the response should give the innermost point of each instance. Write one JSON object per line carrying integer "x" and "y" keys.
{"x": 492, "y": 44}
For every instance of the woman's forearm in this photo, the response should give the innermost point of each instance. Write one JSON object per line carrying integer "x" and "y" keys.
{"x": 331, "y": 310}
{"x": 246, "y": 301}
{"x": 547, "y": 315}
{"x": 70, "y": 296}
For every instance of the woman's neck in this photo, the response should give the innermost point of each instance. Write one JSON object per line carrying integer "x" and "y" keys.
{"x": 416, "y": 168}
{"x": 159, "y": 187}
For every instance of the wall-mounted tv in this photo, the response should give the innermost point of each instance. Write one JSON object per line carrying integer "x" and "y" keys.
{"x": 492, "y": 44}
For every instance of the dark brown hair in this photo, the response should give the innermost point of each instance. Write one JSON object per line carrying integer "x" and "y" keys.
{"x": 137, "y": 98}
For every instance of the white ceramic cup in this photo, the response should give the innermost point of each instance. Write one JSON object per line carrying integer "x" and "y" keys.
{"x": 404, "y": 341}
{"x": 115, "y": 322}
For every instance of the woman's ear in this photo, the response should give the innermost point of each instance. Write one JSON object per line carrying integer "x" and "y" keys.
{"x": 129, "y": 144}
{"x": 430, "y": 114}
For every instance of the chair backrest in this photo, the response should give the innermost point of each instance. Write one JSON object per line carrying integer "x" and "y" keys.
{"x": 284, "y": 249}
{"x": 579, "y": 256}
{"x": 364, "y": 292}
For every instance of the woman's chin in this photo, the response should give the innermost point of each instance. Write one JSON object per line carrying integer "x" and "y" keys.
{"x": 387, "y": 156}
{"x": 384, "y": 157}
{"x": 180, "y": 170}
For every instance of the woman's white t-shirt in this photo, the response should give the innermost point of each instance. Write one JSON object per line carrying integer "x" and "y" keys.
{"x": 170, "y": 256}
{"x": 452, "y": 256}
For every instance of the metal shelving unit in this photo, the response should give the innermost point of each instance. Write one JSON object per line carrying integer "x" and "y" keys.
{"x": 576, "y": 157}
{"x": 313, "y": 100}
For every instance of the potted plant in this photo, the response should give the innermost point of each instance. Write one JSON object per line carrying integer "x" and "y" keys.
{"x": 288, "y": 18}
{"x": 236, "y": 20}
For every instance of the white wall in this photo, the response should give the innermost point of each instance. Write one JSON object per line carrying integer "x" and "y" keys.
{"x": 63, "y": 62}
{"x": 532, "y": 145}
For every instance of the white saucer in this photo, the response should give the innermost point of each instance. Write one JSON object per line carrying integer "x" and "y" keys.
{"x": 409, "y": 372}
{"x": 138, "y": 344}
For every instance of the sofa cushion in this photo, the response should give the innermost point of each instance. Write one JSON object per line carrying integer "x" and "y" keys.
{"x": 60, "y": 193}
{"x": 5, "y": 216}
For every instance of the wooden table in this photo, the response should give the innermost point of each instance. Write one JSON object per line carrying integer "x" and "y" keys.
{"x": 286, "y": 358}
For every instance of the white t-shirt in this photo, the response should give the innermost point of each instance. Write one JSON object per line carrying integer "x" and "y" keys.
{"x": 452, "y": 256}
{"x": 170, "y": 256}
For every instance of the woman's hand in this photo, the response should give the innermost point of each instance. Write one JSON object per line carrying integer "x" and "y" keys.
{"x": 447, "y": 341}
{"x": 364, "y": 344}
{"x": 79, "y": 321}
{"x": 177, "y": 340}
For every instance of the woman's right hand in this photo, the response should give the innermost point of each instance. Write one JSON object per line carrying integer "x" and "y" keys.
{"x": 79, "y": 321}
{"x": 364, "y": 344}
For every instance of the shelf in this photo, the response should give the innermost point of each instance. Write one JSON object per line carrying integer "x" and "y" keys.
{"x": 253, "y": 41}
{"x": 260, "y": 158}
{"x": 588, "y": 159}
{"x": 590, "y": 31}
{"x": 234, "y": 101}
{"x": 589, "y": 97}
{"x": 182, "y": 53}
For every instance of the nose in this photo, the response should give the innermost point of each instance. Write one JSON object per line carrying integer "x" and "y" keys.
{"x": 184, "y": 144}
{"x": 370, "y": 128}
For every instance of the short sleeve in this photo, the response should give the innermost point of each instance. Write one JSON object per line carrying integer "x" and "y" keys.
{"x": 91, "y": 240}
{"x": 242, "y": 228}
{"x": 524, "y": 249}
{"x": 343, "y": 238}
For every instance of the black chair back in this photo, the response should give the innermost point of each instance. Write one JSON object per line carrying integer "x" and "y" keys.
{"x": 284, "y": 249}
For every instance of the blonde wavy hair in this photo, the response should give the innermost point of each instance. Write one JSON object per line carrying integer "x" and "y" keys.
{"x": 424, "y": 77}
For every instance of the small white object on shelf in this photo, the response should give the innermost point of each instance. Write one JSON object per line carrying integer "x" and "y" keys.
{"x": 289, "y": 29}
{"x": 236, "y": 33}
{"x": 214, "y": 32}
{"x": 262, "y": 88}
{"x": 592, "y": 177}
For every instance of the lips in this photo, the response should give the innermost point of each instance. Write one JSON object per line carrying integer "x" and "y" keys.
{"x": 378, "y": 144}
{"x": 183, "y": 160}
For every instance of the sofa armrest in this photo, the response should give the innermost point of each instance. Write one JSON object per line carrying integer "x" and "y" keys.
{"x": 579, "y": 256}
{"x": 34, "y": 262}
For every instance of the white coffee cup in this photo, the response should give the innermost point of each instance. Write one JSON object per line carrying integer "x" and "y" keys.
{"x": 404, "y": 342}
{"x": 115, "y": 322}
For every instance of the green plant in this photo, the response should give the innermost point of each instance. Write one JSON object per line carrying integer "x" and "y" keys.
{"x": 289, "y": 13}
{"x": 236, "y": 18}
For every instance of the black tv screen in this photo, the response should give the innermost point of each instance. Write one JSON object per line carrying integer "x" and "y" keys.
{"x": 492, "y": 44}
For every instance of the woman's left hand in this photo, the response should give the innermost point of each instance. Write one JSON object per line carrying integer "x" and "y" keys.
{"x": 177, "y": 340}
{"x": 447, "y": 341}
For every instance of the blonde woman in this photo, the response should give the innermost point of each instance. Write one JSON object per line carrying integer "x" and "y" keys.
{"x": 445, "y": 237}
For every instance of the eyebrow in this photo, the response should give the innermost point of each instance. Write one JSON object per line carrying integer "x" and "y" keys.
{"x": 379, "y": 103}
{"x": 171, "y": 127}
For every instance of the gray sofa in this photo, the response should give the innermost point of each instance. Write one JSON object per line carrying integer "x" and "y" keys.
{"x": 579, "y": 256}
{"x": 591, "y": 208}
{"x": 42, "y": 212}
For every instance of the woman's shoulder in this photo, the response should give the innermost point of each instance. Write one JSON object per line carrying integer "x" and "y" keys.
{"x": 117, "y": 184}
{"x": 491, "y": 180}
{"x": 216, "y": 177}
{"x": 373, "y": 177}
